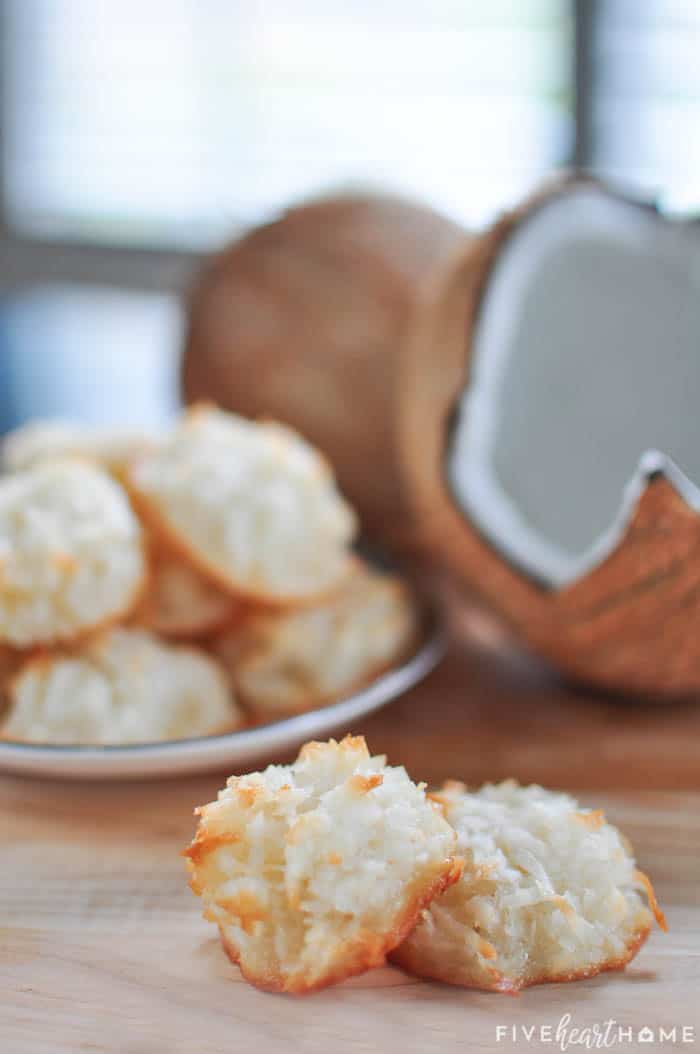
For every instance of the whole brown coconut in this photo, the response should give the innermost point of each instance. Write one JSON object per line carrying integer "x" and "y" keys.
{"x": 304, "y": 320}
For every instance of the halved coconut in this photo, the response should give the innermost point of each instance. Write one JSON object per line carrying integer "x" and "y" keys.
{"x": 549, "y": 432}
{"x": 585, "y": 365}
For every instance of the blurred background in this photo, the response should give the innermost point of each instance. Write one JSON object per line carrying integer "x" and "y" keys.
{"x": 136, "y": 137}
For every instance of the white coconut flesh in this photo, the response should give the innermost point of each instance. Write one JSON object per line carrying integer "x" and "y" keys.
{"x": 584, "y": 380}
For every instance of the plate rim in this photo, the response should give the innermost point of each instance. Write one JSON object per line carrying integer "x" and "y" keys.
{"x": 62, "y": 760}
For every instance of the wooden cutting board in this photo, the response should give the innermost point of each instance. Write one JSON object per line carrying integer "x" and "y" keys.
{"x": 102, "y": 947}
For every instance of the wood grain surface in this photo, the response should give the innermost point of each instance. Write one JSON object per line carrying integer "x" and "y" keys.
{"x": 102, "y": 947}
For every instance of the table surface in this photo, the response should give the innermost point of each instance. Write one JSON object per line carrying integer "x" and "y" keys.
{"x": 102, "y": 947}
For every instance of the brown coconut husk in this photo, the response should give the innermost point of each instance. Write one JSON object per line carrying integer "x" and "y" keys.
{"x": 304, "y": 320}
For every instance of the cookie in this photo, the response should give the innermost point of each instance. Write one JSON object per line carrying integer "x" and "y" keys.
{"x": 286, "y": 662}
{"x": 71, "y": 556}
{"x": 314, "y": 871}
{"x": 122, "y": 686}
{"x": 251, "y": 505}
{"x": 181, "y": 602}
{"x": 10, "y": 661}
{"x": 549, "y": 892}
{"x": 41, "y": 441}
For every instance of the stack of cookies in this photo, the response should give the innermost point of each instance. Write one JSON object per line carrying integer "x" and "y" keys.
{"x": 162, "y": 587}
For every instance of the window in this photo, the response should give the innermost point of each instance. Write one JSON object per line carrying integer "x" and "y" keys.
{"x": 167, "y": 125}
{"x": 134, "y": 136}
{"x": 100, "y": 355}
{"x": 645, "y": 97}
{"x": 171, "y": 122}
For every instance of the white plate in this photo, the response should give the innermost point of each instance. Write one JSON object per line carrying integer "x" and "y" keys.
{"x": 236, "y": 749}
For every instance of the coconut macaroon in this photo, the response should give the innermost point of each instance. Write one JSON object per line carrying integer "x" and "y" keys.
{"x": 71, "y": 556}
{"x": 10, "y": 661}
{"x": 549, "y": 892}
{"x": 287, "y": 662}
{"x": 252, "y": 505}
{"x": 314, "y": 871}
{"x": 181, "y": 602}
{"x": 41, "y": 441}
{"x": 122, "y": 686}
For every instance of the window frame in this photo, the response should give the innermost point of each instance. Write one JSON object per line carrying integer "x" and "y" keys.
{"x": 26, "y": 258}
